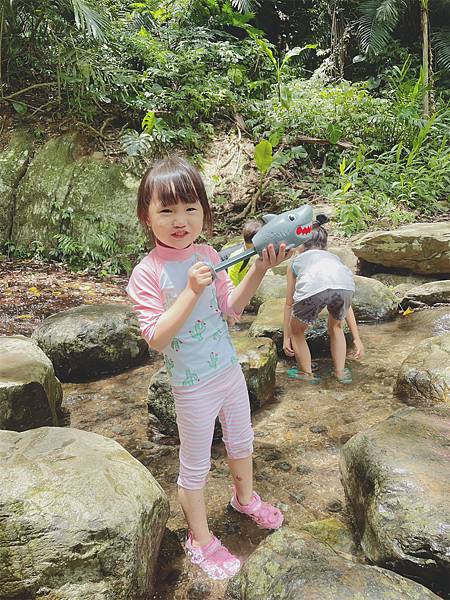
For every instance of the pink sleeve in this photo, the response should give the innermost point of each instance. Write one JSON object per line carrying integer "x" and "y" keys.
{"x": 224, "y": 288}
{"x": 144, "y": 292}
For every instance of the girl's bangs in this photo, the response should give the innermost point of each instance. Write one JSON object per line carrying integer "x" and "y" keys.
{"x": 176, "y": 189}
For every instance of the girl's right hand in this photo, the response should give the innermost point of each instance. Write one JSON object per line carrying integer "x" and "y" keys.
{"x": 287, "y": 346}
{"x": 199, "y": 277}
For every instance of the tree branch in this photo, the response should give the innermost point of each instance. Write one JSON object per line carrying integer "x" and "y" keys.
{"x": 27, "y": 89}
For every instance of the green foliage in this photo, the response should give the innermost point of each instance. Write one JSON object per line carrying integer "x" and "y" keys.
{"x": 399, "y": 165}
{"x": 317, "y": 110}
{"x": 265, "y": 160}
{"x": 387, "y": 187}
{"x": 280, "y": 66}
{"x": 103, "y": 252}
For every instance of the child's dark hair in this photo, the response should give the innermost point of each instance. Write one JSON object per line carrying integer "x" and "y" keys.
{"x": 172, "y": 180}
{"x": 250, "y": 228}
{"x": 319, "y": 237}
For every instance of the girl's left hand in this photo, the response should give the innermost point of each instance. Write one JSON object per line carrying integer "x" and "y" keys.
{"x": 269, "y": 258}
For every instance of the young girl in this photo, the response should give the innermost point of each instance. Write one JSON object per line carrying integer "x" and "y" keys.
{"x": 317, "y": 278}
{"x": 181, "y": 313}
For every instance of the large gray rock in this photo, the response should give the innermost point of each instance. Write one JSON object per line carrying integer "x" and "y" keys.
{"x": 346, "y": 255}
{"x": 30, "y": 394}
{"x": 396, "y": 479}
{"x": 66, "y": 190}
{"x": 258, "y": 359}
{"x": 424, "y": 377}
{"x": 13, "y": 165}
{"x": 293, "y": 566}
{"x": 421, "y": 247}
{"x": 90, "y": 340}
{"x": 81, "y": 518}
{"x": 428, "y": 294}
{"x": 373, "y": 301}
{"x": 269, "y": 323}
{"x": 272, "y": 286}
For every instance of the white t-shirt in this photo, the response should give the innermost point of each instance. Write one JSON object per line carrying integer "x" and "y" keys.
{"x": 319, "y": 270}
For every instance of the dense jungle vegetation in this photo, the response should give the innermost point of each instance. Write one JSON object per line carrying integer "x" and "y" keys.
{"x": 352, "y": 96}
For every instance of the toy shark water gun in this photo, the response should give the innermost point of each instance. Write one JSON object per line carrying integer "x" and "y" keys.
{"x": 292, "y": 227}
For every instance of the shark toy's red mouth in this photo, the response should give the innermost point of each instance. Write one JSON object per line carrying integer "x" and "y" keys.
{"x": 303, "y": 230}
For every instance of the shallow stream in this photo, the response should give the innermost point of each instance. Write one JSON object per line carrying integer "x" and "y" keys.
{"x": 297, "y": 441}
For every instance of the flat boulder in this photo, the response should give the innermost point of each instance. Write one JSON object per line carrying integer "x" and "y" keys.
{"x": 81, "y": 518}
{"x": 419, "y": 247}
{"x": 428, "y": 294}
{"x": 258, "y": 359}
{"x": 288, "y": 566}
{"x": 373, "y": 301}
{"x": 424, "y": 376}
{"x": 91, "y": 340}
{"x": 396, "y": 479}
{"x": 30, "y": 394}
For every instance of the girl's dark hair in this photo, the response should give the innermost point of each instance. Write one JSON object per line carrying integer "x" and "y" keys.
{"x": 172, "y": 180}
{"x": 250, "y": 229}
{"x": 319, "y": 237}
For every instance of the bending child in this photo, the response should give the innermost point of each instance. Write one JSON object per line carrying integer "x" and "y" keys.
{"x": 317, "y": 278}
{"x": 180, "y": 310}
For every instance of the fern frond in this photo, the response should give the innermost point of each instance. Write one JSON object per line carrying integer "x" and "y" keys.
{"x": 378, "y": 18}
{"x": 88, "y": 19}
{"x": 441, "y": 45}
{"x": 244, "y": 6}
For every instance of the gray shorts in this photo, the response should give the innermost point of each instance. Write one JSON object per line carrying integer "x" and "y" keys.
{"x": 337, "y": 302}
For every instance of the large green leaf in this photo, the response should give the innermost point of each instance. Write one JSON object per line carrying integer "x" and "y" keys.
{"x": 263, "y": 156}
{"x": 295, "y": 52}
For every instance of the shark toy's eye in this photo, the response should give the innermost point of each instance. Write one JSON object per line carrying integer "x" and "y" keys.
{"x": 291, "y": 218}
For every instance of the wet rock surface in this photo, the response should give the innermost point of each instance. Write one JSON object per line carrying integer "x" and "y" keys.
{"x": 424, "y": 377}
{"x": 90, "y": 340}
{"x": 70, "y": 526}
{"x": 290, "y": 565}
{"x": 397, "y": 484}
{"x": 30, "y": 394}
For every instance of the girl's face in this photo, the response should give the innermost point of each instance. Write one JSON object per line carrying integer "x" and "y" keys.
{"x": 178, "y": 225}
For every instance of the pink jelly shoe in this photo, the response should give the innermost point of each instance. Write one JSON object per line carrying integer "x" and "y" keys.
{"x": 214, "y": 558}
{"x": 264, "y": 514}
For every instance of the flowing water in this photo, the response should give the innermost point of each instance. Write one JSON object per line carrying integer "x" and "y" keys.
{"x": 297, "y": 441}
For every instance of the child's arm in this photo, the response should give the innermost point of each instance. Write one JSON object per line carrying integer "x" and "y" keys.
{"x": 159, "y": 326}
{"x": 287, "y": 344}
{"x": 351, "y": 322}
{"x": 241, "y": 296}
{"x": 171, "y": 321}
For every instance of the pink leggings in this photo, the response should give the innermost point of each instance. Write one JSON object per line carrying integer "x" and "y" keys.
{"x": 197, "y": 407}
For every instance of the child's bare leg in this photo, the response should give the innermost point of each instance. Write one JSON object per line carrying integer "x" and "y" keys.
{"x": 242, "y": 471}
{"x": 300, "y": 346}
{"x": 193, "y": 505}
{"x": 338, "y": 344}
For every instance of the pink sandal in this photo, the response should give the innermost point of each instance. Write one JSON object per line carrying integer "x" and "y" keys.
{"x": 214, "y": 558}
{"x": 264, "y": 514}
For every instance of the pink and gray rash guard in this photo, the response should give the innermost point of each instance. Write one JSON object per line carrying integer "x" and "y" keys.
{"x": 202, "y": 347}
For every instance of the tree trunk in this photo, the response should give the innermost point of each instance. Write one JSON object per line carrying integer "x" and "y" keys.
{"x": 426, "y": 52}
{"x": 337, "y": 40}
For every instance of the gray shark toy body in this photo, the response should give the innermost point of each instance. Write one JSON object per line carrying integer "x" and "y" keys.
{"x": 292, "y": 227}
